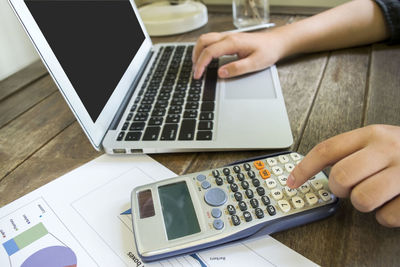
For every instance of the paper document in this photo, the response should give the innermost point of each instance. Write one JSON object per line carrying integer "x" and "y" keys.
{"x": 80, "y": 219}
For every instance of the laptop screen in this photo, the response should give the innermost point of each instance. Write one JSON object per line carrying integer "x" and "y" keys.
{"x": 94, "y": 41}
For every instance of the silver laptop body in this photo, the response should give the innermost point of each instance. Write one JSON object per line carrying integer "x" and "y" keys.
{"x": 103, "y": 61}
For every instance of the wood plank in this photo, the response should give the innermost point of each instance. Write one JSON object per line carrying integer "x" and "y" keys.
{"x": 22, "y": 78}
{"x": 67, "y": 151}
{"x": 29, "y": 132}
{"x": 22, "y": 100}
{"x": 384, "y": 86}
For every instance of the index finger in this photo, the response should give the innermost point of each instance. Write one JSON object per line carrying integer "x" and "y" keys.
{"x": 204, "y": 41}
{"x": 327, "y": 153}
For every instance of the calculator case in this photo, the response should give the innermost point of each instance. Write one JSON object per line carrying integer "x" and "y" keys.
{"x": 148, "y": 230}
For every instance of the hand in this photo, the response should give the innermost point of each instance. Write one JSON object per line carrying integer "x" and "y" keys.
{"x": 255, "y": 51}
{"x": 365, "y": 167}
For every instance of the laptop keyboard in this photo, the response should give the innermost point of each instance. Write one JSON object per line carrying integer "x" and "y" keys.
{"x": 170, "y": 104}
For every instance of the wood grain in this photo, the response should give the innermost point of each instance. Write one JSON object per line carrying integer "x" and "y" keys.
{"x": 23, "y": 100}
{"x": 22, "y": 78}
{"x": 34, "y": 129}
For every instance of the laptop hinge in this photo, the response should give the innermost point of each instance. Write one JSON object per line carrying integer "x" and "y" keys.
{"x": 127, "y": 98}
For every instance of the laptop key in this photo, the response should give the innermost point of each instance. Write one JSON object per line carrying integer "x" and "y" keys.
{"x": 210, "y": 84}
{"x": 120, "y": 136}
{"x": 133, "y": 136}
{"x": 204, "y": 135}
{"x": 140, "y": 116}
{"x": 151, "y": 133}
{"x": 175, "y": 110}
{"x": 129, "y": 117}
{"x": 190, "y": 114}
{"x": 161, "y": 104}
{"x": 137, "y": 126}
{"x": 158, "y": 112}
{"x": 205, "y": 125}
{"x": 192, "y": 105}
{"x": 155, "y": 121}
{"x": 125, "y": 126}
{"x": 208, "y": 106}
{"x": 173, "y": 118}
{"x": 187, "y": 130}
{"x": 206, "y": 116}
{"x": 169, "y": 132}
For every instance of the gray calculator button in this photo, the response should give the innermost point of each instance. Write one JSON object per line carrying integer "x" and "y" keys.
{"x": 247, "y": 216}
{"x": 231, "y": 209}
{"x": 236, "y": 169}
{"x": 201, "y": 177}
{"x": 216, "y": 213}
{"x": 219, "y": 181}
{"x": 271, "y": 210}
{"x": 230, "y": 179}
{"x": 240, "y": 176}
{"x": 218, "y": 224}
{"x": 215, "y": 173}
{"x": 226, "y": 171}
{"x": 205, "y": 184}
{"x": 215, "y": 197}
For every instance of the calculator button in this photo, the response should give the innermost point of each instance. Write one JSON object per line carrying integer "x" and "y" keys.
{"x": 251, "y": 174}
{"x": 325, "y": 195}
{"x": 254, "y": 203}
{"x": 260, "y": 191}
{"x": 271, "y": 183}
{"x": 311, "y": 199}
{"x": 242, "y": 205}
{"x": 316, "y": 185}
{"x": 215, "y": 173}
{"x": 215, "y": 197}
{"x": 238, "y": 196}
{"x": 284, "y": 205}
{"x": 245, "y": 184}
{"x": 277, "y": 170}
{"x": 265, "y": 173}
{"x": 218, "y": 224}
{"x": 230, "y": 179}
{"x": 226, "y": 171}
{"x": 295, "y": 156}
{"x": 256, "y": 182}
{"x": 259, "y": 164}
{"x": 249, "y": 193}
{"x": 235, "y": 220}
{"x": 236, "y": 169}
{"x": 234, "y": 187}
{"x": 205, "y": 184}
{"x": 290, "y": 191}
{"x": 276, "y": 194}
{"x": 240, "y": 176}
{"x": 201, "y": 177}
{"x": 231, "y": 209}
{"x": 271, "y": 162}
{"x": 282, "y": 180}
{"x": 247, "y": 166}
{"x": 219, "y": 181}
{"x": 265, "y": 200}
{"x": 298, "y": 202}
{"x": 271, "y": 210}
{"x": 304, "y": 188}
{"x": 289, "y": 167}
{"x": 216, "y": 213}
{"x": 259, "y": 213}
{"x": 283, "y": 159}
{"x": 247, "y": 216}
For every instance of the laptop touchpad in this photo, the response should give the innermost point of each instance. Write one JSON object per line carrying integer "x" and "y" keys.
{"x": 257, "y": 85}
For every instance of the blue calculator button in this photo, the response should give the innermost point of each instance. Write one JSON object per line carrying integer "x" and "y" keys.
{"x": 201, "y": 177}
{"x": 205, "y": 184}
{"x": 218, "y": 224}
{"x": 215, "y": 197}
{"x": 216, "y": 213}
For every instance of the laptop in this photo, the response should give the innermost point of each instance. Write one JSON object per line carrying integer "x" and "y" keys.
{"x": 131, "y": 96}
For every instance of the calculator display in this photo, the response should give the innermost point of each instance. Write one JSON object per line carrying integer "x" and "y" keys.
{"x": 178, "y": 211}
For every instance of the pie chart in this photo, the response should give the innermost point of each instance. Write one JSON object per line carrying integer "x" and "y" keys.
{"x": 55, "y": 256}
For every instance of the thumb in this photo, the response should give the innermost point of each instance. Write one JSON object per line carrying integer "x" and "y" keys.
{"x": 237, "y": 68}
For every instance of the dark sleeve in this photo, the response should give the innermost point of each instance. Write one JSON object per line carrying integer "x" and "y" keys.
{"x": 391, "y": 12}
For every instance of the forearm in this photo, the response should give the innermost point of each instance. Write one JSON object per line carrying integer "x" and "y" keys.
{"x": 354, "y": 23}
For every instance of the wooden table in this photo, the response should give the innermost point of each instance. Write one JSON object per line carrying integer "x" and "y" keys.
{"x": 325, "y": 93}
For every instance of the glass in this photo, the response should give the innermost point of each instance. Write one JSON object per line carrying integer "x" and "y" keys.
{"x": 250, "y": 12}
{"x": 177, "y": 207}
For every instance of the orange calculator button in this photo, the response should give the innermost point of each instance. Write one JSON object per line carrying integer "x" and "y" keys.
{"x": 259, "y": 164}
{"x": 265, "y": 173}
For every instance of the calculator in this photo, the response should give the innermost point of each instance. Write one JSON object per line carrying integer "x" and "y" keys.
{"x": 195, "y": 211}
